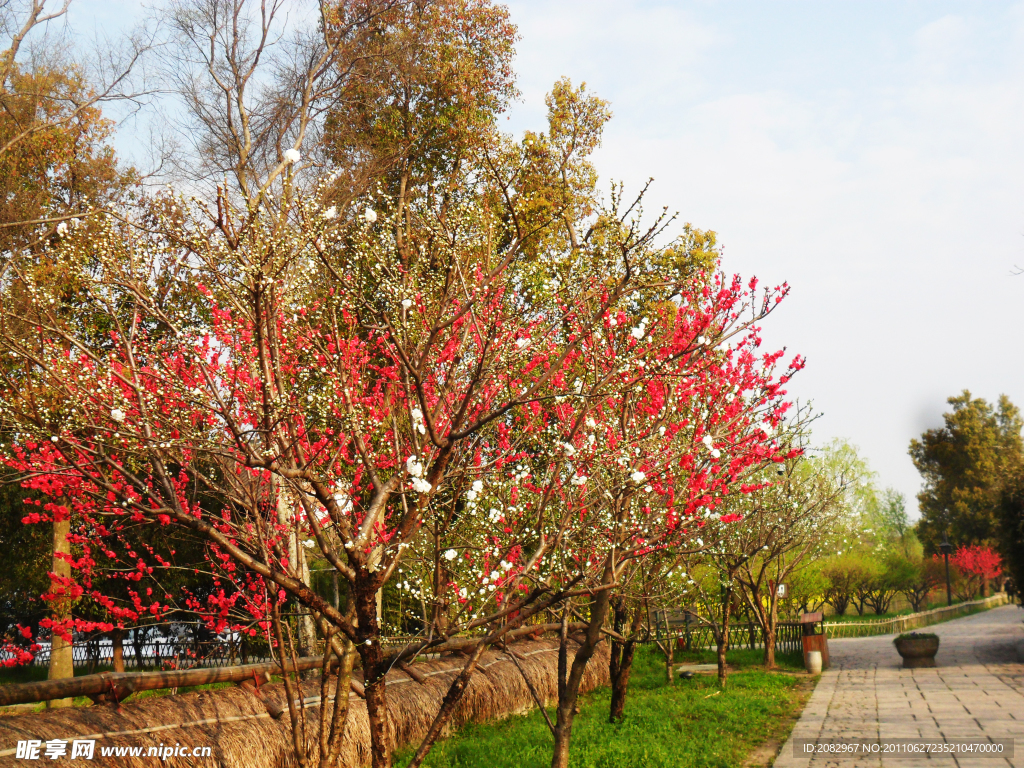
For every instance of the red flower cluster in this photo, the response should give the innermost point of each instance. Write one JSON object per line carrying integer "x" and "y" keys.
{"x": 978, "y": 560}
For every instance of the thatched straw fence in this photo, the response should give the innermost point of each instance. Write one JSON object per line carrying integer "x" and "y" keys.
{"x": 239, "y": 728}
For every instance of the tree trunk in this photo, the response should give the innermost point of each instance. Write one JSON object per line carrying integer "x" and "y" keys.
{"x": 770, "y": 626}
{"x": 297, "y": 562}
{"x": 62, "y": 662}
{"x": 622, "y": 666}
{"x": 723, "y": 639}
{"x": 332, "y": 728}
{"x": 307, "y": 627}
{"x": 137, "y": 646}
{"x": 621, "y": 657}
{"x": 117, "y": 649}
{"x": 569, "y": 684}
{"x": 439, "y": 616}
{"x": 769, "y": 650}
{"x": 374, "y": 670}
{"x": 840, "y": 604}
{"x": 858, "y": 603}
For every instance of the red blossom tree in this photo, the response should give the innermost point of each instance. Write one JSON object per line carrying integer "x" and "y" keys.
{"x": 314, "y": 389}
{"x": 673, "y": 410}
{"x": 492, "y": 382}
{"x": 295, "y": 381}
{"x": 977, "y": 565}
{"x": 274, "y": 423}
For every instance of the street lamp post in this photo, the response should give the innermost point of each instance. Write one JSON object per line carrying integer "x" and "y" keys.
{"x": 946, "y": 548}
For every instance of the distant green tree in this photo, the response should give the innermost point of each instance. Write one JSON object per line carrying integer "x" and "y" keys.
{"x": 895, "y": 574}
{"x": 926, "y": 574}
{"x": 844, "y": 575}
{"x": 890, "y": 526}
{"x": 808, "y": 588}
{"x": 1011, "y": 513}
{"x": 27, "y": 560}
{"x": 420, "y": 95}
{"x": 966, "y": 465}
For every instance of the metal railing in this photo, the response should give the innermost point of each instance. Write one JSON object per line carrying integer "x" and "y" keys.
{"x": 898, "y": 624}
{"x": 96, "y": 652}
{"x": 182, "y": 648}
{"x": 183, "y": 652}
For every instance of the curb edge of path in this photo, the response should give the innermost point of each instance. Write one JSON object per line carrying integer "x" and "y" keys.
{"x": 810, "y": 721}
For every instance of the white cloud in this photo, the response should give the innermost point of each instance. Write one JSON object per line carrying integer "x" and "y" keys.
{"x": 875, "y": 164}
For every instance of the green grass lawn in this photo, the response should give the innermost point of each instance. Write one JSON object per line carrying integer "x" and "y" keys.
{"x": 688, "y": 724}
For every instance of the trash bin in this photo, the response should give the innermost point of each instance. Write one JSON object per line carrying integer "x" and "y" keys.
{"x": 813, "y": 630}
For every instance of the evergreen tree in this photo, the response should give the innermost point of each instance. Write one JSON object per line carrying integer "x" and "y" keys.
{"x": 967, "y": 466}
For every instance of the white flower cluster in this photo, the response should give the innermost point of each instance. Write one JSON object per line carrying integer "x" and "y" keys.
{"x": 413, "y": 466}
{"x": 709, "y": 443}
{"x": 417, "y": 421}
{"x": 475, "y": 490}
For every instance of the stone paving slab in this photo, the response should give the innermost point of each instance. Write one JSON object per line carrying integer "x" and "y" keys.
{"x": 975, "y": 692}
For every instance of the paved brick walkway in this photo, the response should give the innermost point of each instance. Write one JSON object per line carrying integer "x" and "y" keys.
{"x": 976, "y": 692}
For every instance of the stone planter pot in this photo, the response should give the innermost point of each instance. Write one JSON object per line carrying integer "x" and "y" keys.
{"x": 917, "y": 652}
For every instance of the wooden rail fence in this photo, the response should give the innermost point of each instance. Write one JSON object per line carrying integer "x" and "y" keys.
{"x": 694, "y": 634}
{"x": 898, "y": 624}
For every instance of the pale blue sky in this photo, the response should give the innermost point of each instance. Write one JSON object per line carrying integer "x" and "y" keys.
{"x": 869, "y": 153}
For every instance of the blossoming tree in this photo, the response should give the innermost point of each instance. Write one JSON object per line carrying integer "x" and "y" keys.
{"x": 277, "y": 381}
{"x": 668, "y": 413}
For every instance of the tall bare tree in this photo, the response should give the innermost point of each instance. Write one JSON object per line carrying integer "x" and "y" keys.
{"x": 253, "y": 82}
